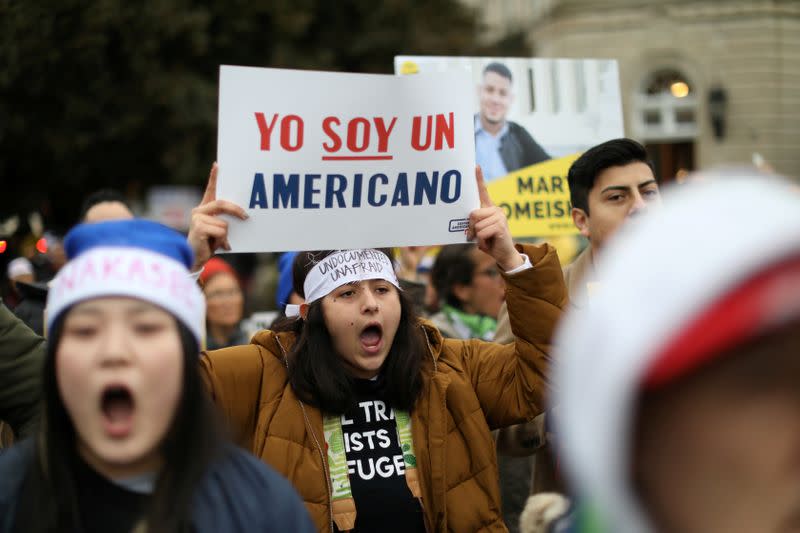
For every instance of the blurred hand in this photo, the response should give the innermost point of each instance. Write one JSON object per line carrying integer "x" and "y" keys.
{"x": 410, "y": 256}
{"x": 208, "y": 232}
{"x": 489, "y": 226}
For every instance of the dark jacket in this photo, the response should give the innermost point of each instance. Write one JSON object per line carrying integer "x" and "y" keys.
{"x": 22, "y": 355}
{"x": 519, "y": 150}
{"x": 31, "y": 309}
{"x": 237, "y": 494}
{"x": 238, "y": 338}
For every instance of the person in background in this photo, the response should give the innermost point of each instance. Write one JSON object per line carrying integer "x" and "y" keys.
{"x": 130, "y": 441}
{"x": 678, "y": 383}
{"x": 610, "y": 184}
{"x": 471, "y": 291}
{"x": 285, "y": 294}
{"x": 413, "y": 266}
{"x": 501, "y": 146}
{"x": 105, "y": 204}
{"x": 31, "y": 309}
{"x": 379, "y": 422}
{"x": 19, "y": 270}
{"x": 29, "y": 294}
{"x": 224, "y": 305}
{"x": 49, "y": 263}
{"x": 21, "y": 357}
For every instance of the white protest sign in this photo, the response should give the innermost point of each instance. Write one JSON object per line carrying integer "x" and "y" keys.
{"x": 323, "y": 160}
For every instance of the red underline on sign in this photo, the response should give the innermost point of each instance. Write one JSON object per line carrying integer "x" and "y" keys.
{"x": 357, "y": 157}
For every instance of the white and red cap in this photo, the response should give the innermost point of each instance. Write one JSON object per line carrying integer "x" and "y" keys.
{"x": 135, "y": 258}
{"x": 716, "y": 265}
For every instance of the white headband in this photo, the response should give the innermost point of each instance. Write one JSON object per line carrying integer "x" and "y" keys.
{"x": 344, "y": 267}
{"x": 134, "y": 272}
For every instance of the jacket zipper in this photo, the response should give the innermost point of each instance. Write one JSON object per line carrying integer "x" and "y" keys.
{"x": 328, "y": 484}
{"x": 425, "y": 520}
{"x": 424, "y": 516}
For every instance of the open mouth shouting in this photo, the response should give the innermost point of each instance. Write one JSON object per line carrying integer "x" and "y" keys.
{"x": 372, "y": 338}
{"x": 117, "y": 406}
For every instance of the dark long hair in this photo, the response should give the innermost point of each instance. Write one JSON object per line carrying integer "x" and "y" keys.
{"x": 316, "y": 371}
{"x": 192, "y": 442}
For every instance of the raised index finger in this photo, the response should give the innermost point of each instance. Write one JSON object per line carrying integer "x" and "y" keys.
{"x": 486, "y": 201}
{"x": 211, "y": 188}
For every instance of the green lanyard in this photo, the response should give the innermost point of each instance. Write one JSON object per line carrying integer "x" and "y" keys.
{"x": 342, "y": 503}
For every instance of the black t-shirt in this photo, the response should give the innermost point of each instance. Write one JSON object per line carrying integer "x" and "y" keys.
{"x": 103, "y": 506}
{"x": 384, "y": 502}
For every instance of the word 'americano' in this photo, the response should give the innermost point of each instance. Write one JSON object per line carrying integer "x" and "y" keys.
{"x": 315, "y": 191}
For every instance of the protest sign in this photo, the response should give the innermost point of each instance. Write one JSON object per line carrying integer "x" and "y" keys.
{"x": 533, "y": 119}
{"x": 324, "y": 160}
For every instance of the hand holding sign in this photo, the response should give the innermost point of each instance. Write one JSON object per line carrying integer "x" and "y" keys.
{"x": 207, "y": 232}
{"x": 489, "y": 225}
{"x": 298, "y": 152}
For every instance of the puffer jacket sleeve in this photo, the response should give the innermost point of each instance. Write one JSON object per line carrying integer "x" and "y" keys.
{"x": 511, "y": 381}
{"x": 22, "y": 354}
{"x": 233, "y": 378}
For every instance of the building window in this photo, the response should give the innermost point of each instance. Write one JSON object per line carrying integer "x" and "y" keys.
{"x": 665, "y": 107}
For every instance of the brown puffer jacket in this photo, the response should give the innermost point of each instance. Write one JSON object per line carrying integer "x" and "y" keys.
{"x": 471, "y": 387}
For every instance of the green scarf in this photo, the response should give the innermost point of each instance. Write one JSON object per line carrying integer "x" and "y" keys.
{"x": 470, "y": 326}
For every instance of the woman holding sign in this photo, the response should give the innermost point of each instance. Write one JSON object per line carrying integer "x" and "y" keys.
{"x": 379, "y": 422}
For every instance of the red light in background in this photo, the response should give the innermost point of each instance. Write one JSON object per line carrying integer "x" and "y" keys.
{"x": 3, "y": 245}
{"x": 41, "y": 245}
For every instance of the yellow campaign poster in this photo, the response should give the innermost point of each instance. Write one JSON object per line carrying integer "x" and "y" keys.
{"x": 536, "y": 199}
{"x": 533, "y": 117}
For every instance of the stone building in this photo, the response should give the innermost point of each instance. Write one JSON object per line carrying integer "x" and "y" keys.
{"x": 704, "y": 82}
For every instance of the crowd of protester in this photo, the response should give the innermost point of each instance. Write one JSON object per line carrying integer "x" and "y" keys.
{"x": 650, "y": 385}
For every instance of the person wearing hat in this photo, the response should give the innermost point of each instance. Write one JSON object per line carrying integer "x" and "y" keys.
{"x": 224, "y": 305}
{"x": 678, "y": 384}
{"x": 19, "y": 269}
{"x": 23, "y": 350}
{"x": 378, "y": 421}
{"x": 128, "y": 439}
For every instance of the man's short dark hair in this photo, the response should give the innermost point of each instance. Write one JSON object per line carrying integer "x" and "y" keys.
{"x": 499, "y": 69}
{"x": 453, "y": 266}
{"x": 99, "y": 197}
{"x": 584, "y": 171}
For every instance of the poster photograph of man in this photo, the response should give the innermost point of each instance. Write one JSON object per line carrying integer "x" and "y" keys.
{"x": 531, "y": 110}
{"x": 533, "y": 117}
